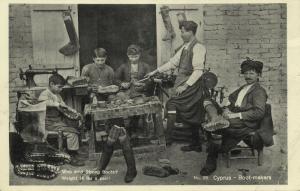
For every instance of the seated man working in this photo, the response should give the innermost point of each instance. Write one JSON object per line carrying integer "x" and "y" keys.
{"x": 98, "y": 73}
{"x": 54, "y": 120}
{"x": 246, "y": 110}
{"x": 128, "y": 75}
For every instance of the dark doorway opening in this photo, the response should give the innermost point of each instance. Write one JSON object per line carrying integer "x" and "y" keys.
{"x": 115, "y": 27}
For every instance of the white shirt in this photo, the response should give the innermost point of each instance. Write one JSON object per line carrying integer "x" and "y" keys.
{"x": 199, "y": 52}
{"x": 134, "y": 68}
{"x": 51, "y": 98}
{"x": 242, "y": 94}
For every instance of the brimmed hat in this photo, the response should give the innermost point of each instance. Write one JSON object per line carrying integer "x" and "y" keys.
{"x": 249, "y": 64}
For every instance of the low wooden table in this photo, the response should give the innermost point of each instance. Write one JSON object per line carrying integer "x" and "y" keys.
{"x": 152, "y": 107}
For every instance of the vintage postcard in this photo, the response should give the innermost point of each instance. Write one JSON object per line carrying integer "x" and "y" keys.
{"x": 155, "y": 93}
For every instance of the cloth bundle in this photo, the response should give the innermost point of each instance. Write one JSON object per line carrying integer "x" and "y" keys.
{"x": 160, "y": 172}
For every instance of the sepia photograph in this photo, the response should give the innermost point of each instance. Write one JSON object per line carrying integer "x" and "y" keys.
{"x": 147, "y": 94}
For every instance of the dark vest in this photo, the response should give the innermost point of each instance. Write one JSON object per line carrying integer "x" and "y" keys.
{"x": 185, "y": 67}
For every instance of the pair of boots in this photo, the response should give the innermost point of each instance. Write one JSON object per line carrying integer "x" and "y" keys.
{"x": 129, "y": 158}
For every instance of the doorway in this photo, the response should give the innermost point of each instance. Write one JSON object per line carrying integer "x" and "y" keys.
{"x": 115, "y": 27}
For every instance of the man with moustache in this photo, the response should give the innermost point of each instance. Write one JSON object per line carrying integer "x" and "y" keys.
{"x": 186, "y": 101}
{"x": 245, "y": 112}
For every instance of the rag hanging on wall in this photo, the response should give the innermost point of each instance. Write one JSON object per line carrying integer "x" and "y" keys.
{"x": 73, "y": 46}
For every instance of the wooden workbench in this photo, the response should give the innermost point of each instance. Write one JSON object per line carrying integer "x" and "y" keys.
{"x": 152, "y": 107}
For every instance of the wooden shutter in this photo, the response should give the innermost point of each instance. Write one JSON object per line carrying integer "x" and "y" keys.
{"x": 49, "y": 34}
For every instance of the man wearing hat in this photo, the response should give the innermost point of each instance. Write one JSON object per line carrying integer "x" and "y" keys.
{"x": 244, "y": 113}
{"x": 188, "y": 96}
{"x": 99, "y": 73}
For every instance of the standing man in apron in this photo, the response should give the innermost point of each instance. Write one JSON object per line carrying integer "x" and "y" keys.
{"x": 189, "y": 89}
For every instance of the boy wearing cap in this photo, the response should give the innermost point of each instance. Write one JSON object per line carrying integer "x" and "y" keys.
{"x": 54, "y": 121}
{"x": 245, "y": 111}
{"x": 189, "y": 62}
{"x": 99, "y": 73}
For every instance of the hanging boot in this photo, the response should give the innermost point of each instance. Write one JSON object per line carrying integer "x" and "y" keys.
{"x": 130, "y": 161}
{"x": 211, "y": 161}
{"x": 105, "y": 158}
{"x": 215, "y": 121}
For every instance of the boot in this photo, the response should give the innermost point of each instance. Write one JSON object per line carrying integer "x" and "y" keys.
{"x": 211, "y": 161}
{"x": 196, "y": 144}
{"x": 105, "y": 158}
{"x": 170, "y": 124}
{"x": 130, "y": 161}
{"x": 215, "y": 121}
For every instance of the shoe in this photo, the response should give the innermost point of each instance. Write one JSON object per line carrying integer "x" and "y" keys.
{"x": 210, "y": 167}
{"x": 188, "y": 148}
{"x": 206, "y": 171}
{"x": 155, "y": 171}
{"x": 76, "y": 162}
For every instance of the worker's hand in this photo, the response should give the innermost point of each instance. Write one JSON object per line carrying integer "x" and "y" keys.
{"x": 125, "y": 85}
{"x": 181, "y": 89}
{"x": 230, "y": 115}
{"x": 150, "y": 74}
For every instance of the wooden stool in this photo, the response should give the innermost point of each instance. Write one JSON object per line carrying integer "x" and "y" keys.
{"x": 59, "y": 136}
{"x": 259, "y": 156}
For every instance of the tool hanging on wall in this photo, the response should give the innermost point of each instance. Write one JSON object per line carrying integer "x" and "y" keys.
{"x": 164, "y": 10}
{"x": 73, "y": 46}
